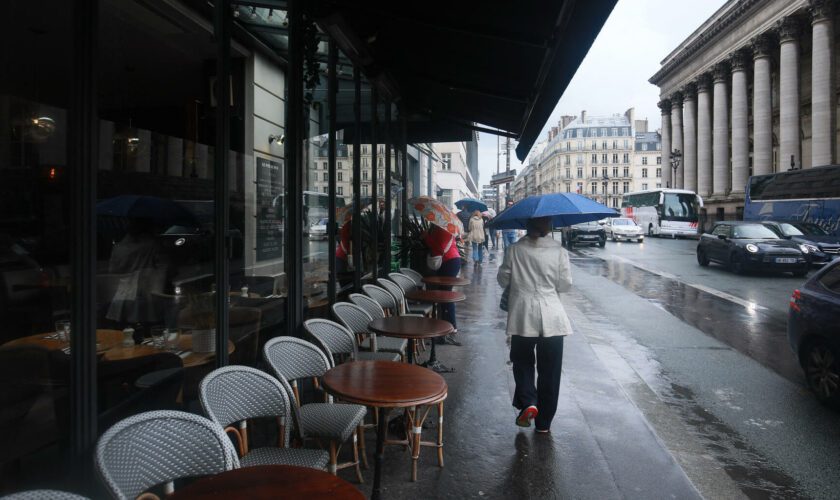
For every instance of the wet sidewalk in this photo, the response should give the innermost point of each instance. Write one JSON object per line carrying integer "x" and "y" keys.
{"x": 601, "y": 446}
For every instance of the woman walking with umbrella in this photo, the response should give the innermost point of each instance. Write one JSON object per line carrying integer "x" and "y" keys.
{"x": 476, "y": 237}
{"x": 534, "y": 273}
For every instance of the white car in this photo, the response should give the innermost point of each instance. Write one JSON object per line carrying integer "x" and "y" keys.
{"x": 622, "y": 228}
{"x": 318, "y": 231}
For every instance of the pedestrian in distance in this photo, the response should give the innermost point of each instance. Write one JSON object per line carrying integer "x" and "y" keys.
{"x": 508, "y": 235}
{"x": 476, "y": 237}
{"x": 535, "y": 272}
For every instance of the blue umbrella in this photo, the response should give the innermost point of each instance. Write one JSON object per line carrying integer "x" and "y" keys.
{"x": 160, "y": 210}
{"x": 565, "y": 208}
{"x": 471, "y": 205}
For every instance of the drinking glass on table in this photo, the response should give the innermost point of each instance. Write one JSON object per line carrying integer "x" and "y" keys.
{"x": 171, "y": 336}
{"x": 158, "y": 336}
{"x": 62, "y": 330}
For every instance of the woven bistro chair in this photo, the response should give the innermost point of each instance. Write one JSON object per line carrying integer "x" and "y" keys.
{"x": 407, "y": 284}
{"x": 414, "y": 275}
{"x": 382, "y": 297}
{"x": 339, "y": 343}
{"x": 157, "y": 447}
{"x": 356, "y": 319}
{"x": 404, "y": 307}
{"x": 231, "y": 395}
{"x": 375, "y": 311}
{"x": 292, "y": 359}
{"x": 43, "y": 495}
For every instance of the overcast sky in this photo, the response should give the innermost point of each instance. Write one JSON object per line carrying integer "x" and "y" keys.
{"x": 614, "y": 75}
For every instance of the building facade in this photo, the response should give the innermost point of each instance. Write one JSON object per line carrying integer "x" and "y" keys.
{"x": 454, "y": 178}
{"x": 647, "y": 163}
{"x": 752, "y": 91}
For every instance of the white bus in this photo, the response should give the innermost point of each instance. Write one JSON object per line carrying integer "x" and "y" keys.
{"x": 670, "y": 212}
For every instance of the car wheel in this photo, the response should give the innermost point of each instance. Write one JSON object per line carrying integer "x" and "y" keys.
{"x": 640, "y": 240}
{"x": 821, "y": 363}
{"x": 603, "y": 242}
{"x": 702, "y": 259}
{"x": 735, "y": 264}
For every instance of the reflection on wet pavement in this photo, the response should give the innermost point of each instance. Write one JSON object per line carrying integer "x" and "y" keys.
{"x": 758, "y": 333}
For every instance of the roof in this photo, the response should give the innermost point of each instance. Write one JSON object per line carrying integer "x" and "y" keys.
{"x": 616, "y": 120}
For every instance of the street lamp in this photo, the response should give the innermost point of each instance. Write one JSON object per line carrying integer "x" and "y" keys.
{"x": 676, "y": 158}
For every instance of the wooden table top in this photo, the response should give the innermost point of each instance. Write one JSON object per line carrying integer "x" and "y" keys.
{"x": 446, "y": 281}
{"x": 410, "y": 327}
{"x": 184, "y": 344}
{"x": 386, "y": 384}
{"x": 269, "y": 482}
{"x": 435, "y": 296}
{"x": 105, "y": 340}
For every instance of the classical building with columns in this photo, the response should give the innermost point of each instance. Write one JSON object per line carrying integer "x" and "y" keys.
{"x": 752, "y": 91}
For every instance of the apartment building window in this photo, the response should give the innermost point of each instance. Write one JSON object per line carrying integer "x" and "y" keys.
{"x": 579, "y": 189}
{"x": 381, "y": 149}
{"x": 658, "y": 146}
{"x": 338, "y": 164}
{"x": 615, "y": 202}
{"x": 568, "y": 146}
{"x": 604, "y": 158}
{"x": 326, "y": 177}
{"x": 604, "y": 188}
{"x": 603, "y": 132}
{"x": 615, "y": 144}
{"x": 614, "y": 131}
{"x": 365, "y": 190}
{"x": 379, "y": 190}
{"x": 644, "y": 187}
{"x": 604, "y": 145}
{"x": 447, "y": 161}
{"x": 594, "y": 171}
{"x": 568, "y": 173}
{"x": 364, "y": 175}
{"x": 379, "y": 162}
{"x": 625, "y": 187}
{"x": 594, "y": 188}
{"x": 380, "y": 174}
{"x": 615, "y": 171}
{"x": 340, "y": 176}
{"x": 626, "y": 171}
{"x": 594, "y": 157}
{"x": 659, "y": 172}
{"x": 626, "y": 157}
{"x": 568, "y": 188}
{"x": 615, "y": 157}
{"x": 626, "y": 144}
{"x": 644, "y": 173}
{"x": 580, "y": 145}
{"x": 339, "y": 190}
{"x": 614, "y": 188}
{"x": 324, "y": 189}
{"x": 644, "y": 160}
{"x": 594, "y": 145}
{"x": 568, "y": 160}
{"x": 604, "y": 172}
{"x": 644, "y": 146}
{"x": 364, "y": 150}
{"x": 659, "y": 160}
{"x": 658, "y": 185}
{"x": 580, "y": 159}
{"x": 580, "y": 172}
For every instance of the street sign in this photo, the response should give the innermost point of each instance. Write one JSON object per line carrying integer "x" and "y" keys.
{"x": 503, "y": 178}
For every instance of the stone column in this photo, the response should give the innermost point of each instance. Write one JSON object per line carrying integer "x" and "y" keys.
{"x": 822, "y": 83}
{"x": 740, "y": 123}
{"x": 720, "y": 134}
{"x": 677, "y": 135}
{"x": 762, "y": 49}
{"x": 690, "y": 137}
{"x": 665, "y": 107}
{"x": 789, "y": 146}
{"x": 704, "y": 135}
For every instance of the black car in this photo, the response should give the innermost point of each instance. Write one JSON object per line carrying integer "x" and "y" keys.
{"x": 588, "y": 233}
{"x": 812, "y": 330}
{"x": 822, "y": 247}
{"x": 744, "y": 246}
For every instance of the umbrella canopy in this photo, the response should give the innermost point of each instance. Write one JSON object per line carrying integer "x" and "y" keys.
{"x": 161, "y": 210}
{"x": 489, "y": 213}
{"x": 566, "y": 209}
{"x": 437, "y": 213}
{"x": 345, "y": 214}
{"x": 471, "y": 205}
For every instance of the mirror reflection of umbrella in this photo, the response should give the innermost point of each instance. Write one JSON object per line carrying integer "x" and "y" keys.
{"x": 437, "y": 213}
{"x": 160, "y": 210}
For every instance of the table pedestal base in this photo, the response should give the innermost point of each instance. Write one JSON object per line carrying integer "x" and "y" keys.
{"x": 435, "y": 365}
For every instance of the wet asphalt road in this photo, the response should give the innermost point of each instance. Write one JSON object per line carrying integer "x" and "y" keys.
{"x": 704, "y": 354}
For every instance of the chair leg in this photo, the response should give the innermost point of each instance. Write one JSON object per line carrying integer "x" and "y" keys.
{"x": 356, "y": 457}
{"x": 440, "y": 434}
{"x": 333, "y": 459}
{"x": 362, "y": 448}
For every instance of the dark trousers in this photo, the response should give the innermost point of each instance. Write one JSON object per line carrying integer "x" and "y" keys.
{"x": 549, "y": 362}
{"x": 450, "y": 268}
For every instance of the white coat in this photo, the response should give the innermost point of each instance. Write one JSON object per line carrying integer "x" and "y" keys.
{"x": 476, "y": 233}
{"x": 537, "y": 271}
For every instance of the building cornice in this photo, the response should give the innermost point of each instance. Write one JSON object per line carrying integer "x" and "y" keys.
{"x": 710, "y": 33}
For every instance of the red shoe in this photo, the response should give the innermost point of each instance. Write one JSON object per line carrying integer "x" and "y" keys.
{"x": 526, "y": 415}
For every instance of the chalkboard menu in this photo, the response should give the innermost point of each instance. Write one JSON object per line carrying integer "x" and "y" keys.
{"x": 270, "y": 210}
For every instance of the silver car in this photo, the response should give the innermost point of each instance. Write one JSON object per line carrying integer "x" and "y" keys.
{"x": 318, "y": 231}
{"x": 622, "y": 228}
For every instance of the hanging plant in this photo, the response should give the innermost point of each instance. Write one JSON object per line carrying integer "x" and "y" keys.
{"x": 311, "y": 65}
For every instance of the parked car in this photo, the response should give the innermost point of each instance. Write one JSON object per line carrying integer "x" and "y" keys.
{"x": 318, "y": 231}
{"x": 625, "y": 228}
{"x": 822, "y": 247}
{"x": 589, "y": 233}
{"x": 745, "y": 246}
{"x": 812, "y": 331}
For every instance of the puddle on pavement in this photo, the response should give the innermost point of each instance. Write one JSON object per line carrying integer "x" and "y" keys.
{"x": 759, "y": 334}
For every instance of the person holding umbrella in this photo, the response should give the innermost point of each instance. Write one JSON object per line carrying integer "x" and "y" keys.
{"x": 476, "y": 237}
{"x": 535, "y": 271}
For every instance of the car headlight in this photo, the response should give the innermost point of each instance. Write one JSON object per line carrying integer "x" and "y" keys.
{"x": 752, "y": 248}
{"x": 811, "y": 248}
{"x": 804, "y": 248}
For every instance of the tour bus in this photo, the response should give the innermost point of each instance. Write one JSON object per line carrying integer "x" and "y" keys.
{"x": 669, "y": 212}
{"x": 809, "y": 195}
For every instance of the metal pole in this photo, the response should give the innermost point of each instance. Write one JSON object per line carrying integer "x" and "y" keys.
{"x": 357, "y": 180}
{"x": 332, "y": 91}
{"x": 404, "y": 165}
{"x": 388, "y": 223}
{"x": 295, "y": 121}
{"x": 374, "y": 182}
{"x": 221, "y": 179}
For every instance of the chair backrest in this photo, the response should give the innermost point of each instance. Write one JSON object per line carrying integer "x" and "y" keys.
{"x": 333, "y": 338}
{"x": 158, "y": 447}
{"x": 395, "y": 290}
{"x": 235, "y": 393}
{"x": 382, "y": 297}
{"x": 352, "y": 316}
{"x": 43, "y": 495}
{"x": 406, "y": 284}
{"x": 370, "y": 306}
{"x": 293, "y": 358}
{"x": 414, "y": 275}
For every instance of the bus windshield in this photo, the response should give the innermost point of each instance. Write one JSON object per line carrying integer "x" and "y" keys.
{"x": 679, "y": 206}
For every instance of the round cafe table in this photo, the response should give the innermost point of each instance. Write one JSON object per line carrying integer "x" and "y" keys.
{"x": 411, "y": 328}
{"x": 388, "y": 384}
{"x": 190, "y": 357}
{"x": 269, "y": 482}
{"x": 105, "y": 340}
{"x": 446, "y": 281}
{"x": 436, "y": 297}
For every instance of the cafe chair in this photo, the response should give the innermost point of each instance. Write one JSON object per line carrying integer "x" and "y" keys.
{"x": 232, "y": 395}
{"x": 355, "y": 319}
{"x": 375, "y": 311}
{"x": 157, "y": 447}
{"x": 292, "y": 359}
{"x": 43, "y": 495}
{"x": 414, "y": 275}
{"x": 382, "y": 297}
{"x": 404, "y": 307}
{"x": 407, "y": 284}
{"x": 339, "y": 343}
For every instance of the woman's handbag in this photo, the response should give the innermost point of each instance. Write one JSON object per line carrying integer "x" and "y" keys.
{"x": 503, "y": 303}
{"x": 433, "y": 262}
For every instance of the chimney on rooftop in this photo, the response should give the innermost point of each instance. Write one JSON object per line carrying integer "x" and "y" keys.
{"x": 583, "y": 117}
